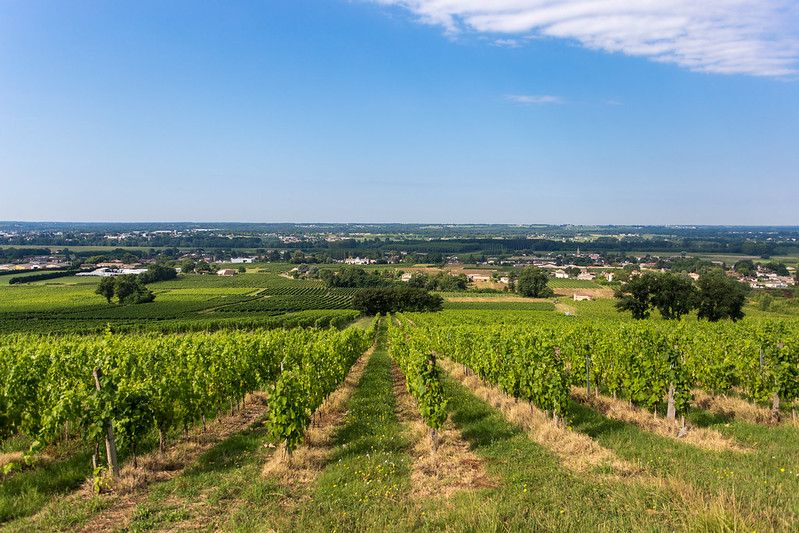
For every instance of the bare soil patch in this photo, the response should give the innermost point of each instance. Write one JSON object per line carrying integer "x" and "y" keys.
{"x": 577, "y": 452}
{"x": 704, "y": 438}
{"x": 453, "y": 468}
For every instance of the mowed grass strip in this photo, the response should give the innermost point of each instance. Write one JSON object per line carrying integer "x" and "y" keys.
{"x": 722, "y": 490}
{"x": 365, "y": 485}
{"x": 535, "y": 492}
{"x": 202, "y": 497}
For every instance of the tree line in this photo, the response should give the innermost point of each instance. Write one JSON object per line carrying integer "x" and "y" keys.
{"x": 130, "y": 288}
{"x": 716, "y": 296}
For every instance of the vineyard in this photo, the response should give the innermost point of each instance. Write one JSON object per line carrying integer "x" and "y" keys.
{"x": 190, "y": 303}
{"x": 462, "y": 419}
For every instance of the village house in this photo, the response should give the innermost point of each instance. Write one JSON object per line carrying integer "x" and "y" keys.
{"x": 226, "y": 272}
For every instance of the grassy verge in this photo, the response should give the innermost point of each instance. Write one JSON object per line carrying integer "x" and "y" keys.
{"x": 721, "y": 490}
{"x": 536, "y": 493}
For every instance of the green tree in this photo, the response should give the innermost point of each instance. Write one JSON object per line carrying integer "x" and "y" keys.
{"x": 532, "y": 283}
{"x": 158, "y": 272}
{"x": 106, "y": 288}
{"x": 720, "y": 296}
{"x": 674, "y": 295}
{"x": 129, "y": 258}
{"x": 671, "y": 294}
{"x": 418, "y": 280}
{"x": 636, "y": 295}
{"x": 778, "y": 268}
{"x": 128, "y": 288}
{"x": 745, "y": 267}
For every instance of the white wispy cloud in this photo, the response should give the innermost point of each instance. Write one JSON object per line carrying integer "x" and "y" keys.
{"x": 754, "y": 37}
{"x": 534, "y": 99}
{"x": 509, "y": 43}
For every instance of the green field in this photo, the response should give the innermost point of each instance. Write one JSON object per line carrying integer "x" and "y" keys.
{"x": 70, "y": 304}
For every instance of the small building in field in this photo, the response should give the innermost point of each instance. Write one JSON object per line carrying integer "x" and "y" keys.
{"x": 561, "y": 274}
{"x": 581, "y": 297}
{"x": 226, "y": 272}
{"x": 586, "y": 276}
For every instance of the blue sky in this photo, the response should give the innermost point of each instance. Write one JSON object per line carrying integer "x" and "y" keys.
{"x": 510, "y": 111}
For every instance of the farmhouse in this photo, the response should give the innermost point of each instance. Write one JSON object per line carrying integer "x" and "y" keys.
{"x": 226, "y": 272}
{"x": 581, "y": 297}
{"x": 561, "y": 274}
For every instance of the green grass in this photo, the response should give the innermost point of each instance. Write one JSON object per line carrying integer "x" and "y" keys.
{"x": 748, "y": 489}
{"x": 495, "y": 305}
{"x": 24, "y": 493}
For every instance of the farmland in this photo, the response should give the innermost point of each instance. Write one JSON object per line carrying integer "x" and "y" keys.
{"x": 268, "y": 429}
{"x": 190, "y": 302}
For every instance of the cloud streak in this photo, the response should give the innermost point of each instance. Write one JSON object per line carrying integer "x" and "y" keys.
{"x": 752, "y": 37}
{"x": 534, "y": 99}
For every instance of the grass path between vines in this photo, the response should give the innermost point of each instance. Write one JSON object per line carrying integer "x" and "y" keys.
{"x": 83, "y": 511}
{"x": 728, "y": 490}
{"x": 675, "y": 485}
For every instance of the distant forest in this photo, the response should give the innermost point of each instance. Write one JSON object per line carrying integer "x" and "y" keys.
{"x": 343, "y": 240}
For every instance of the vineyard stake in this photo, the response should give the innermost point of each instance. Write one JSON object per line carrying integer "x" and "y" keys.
{"x": 110, "y": 445}
{"x": 588, "y": 373}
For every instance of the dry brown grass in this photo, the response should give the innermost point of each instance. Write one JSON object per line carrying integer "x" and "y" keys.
{"x": 733, "y": 407}
{"x": 576, "y": 451}
{"x": 452, "y": 468}
{"x": 11, "y": 457}
{"x": 309, "y": 459}
{"x": 717, "y": 510}
{"x": 704, "y": 438}
{"x": 564, "y": 292}
{"x": 565, "y": 308}
{"x": 493, "y": 298}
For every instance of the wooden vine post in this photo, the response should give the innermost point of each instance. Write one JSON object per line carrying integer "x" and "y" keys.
{"x": 110, "y": 444}
{"x": 588, "y": 372}
{"x": 775, "y": 401}
{"x": 433, "y": 431}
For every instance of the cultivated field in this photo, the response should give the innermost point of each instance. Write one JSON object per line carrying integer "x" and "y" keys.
{"x": 519, "y": 443}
